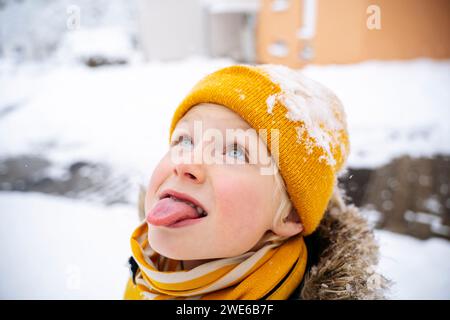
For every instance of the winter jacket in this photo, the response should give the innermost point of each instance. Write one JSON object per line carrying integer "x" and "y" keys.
{"x": 343, "y": 255}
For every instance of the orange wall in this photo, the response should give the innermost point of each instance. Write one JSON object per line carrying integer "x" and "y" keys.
{"x": 409, "y": 29}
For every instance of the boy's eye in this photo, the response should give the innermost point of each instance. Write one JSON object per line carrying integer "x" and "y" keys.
{"x": 236, "y": 151}
{"x": 183, "y": 141}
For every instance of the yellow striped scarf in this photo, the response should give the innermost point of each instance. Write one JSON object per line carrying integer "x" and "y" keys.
{"x": 272, "y": 272}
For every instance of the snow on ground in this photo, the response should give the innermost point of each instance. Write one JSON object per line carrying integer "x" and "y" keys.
{"x": 120, "y": 114}
{"x": 53, "y": 247}
{"x": 418, "y": 268}
{"x": 397, "y": 107}
{"x": 57, "y": 248}
{"x": 116, "y": 115}
{"x": 36, "y": 29}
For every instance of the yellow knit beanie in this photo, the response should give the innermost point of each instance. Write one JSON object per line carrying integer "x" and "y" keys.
{"x": 313, "y": 140}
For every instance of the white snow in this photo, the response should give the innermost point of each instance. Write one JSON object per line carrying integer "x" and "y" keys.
{"x": 35, "y": 29}
{"x": 419, "y": 268}
{"x": 432, "y": 203}
{"x": 309, "y": 102}
{"x": 118, "y": 115}
{"x": 53, "y": 247}
{"x": 121, "y": 114}
{"x": 57, "y": 248}
{"x": 393, "y": 107}
{"x": 271, "y": 103}
{"x": 110, "y": 43}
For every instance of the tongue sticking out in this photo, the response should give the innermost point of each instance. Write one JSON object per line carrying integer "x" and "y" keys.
{"x": 168, "y": 211}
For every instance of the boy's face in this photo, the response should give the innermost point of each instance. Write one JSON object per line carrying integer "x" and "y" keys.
{"x": 239, "y": 201}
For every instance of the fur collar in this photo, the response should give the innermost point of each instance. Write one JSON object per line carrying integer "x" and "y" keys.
{"x": 344, "y": 258}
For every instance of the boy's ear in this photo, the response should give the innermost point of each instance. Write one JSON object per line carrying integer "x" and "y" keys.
{"x": 289, "y": 226}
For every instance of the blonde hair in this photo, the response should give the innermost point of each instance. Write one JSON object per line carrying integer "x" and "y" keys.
{"x": 283, "y": 210}
{"x": 336, "y": 203}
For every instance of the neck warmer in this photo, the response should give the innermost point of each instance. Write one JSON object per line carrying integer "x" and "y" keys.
{"x": 272, "y": 272}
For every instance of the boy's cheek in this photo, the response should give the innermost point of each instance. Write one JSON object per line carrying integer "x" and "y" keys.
{"x": 159, "y": 175}
{"x": 237, "y": 200}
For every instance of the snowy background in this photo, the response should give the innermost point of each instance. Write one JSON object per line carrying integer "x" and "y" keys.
{"x": 82, "y": 111}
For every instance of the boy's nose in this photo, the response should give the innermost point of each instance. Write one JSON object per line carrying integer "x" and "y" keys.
{"x": 192, "y": 172}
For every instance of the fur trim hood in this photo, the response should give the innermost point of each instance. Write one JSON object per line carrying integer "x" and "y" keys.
{"x": 343, "y": 256}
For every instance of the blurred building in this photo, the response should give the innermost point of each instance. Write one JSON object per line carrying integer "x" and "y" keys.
{"x": 173, "y": 29}
{"x": 296, "y": 32}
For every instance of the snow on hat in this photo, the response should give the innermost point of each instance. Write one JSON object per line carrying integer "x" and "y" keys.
{"x": 313, "y": 140}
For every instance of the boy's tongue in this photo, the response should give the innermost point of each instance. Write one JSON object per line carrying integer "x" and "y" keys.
{"x": 168, "y": 211}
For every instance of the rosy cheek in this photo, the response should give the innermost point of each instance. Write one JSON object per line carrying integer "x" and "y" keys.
{"x": 237, "y": 203}
{"x": 159, "y": 175}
